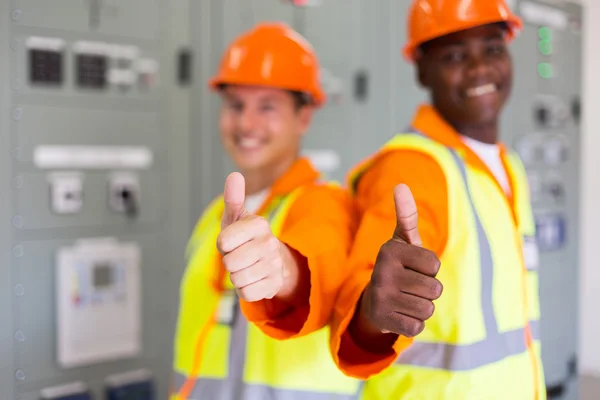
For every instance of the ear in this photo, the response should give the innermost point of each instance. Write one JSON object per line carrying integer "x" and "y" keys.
{"x": 305, "y": 115}
{"x": 421, "y": 72}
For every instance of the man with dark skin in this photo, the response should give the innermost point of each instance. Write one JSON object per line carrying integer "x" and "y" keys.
{"x": 474, "y": 214}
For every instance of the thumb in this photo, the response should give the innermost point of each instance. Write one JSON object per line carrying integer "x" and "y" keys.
{"x": 234, "y": 196}
{"x": 407, "y": 217}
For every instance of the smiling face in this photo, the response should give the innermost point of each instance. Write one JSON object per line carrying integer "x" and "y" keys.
{"x": 469, "y": 75}
{"x": 261, "y": 127}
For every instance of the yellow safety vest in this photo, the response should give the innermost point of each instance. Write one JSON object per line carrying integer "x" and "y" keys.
{"x": 476, "y": 345}
{"x": 237, "y": 361}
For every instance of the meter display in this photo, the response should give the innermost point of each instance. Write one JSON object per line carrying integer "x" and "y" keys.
{"x": 91, "y": 70}
{"x": 45, "y": 66}
{"x": 98, "y": 302}
{"x": 45, "y": 60}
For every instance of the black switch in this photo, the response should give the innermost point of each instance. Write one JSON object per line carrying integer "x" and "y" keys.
{"x": 184, "y": 67}
{"x": 361, "y": 86}
{"x": 576, "y": 110}
{"x": 541, "y": 115}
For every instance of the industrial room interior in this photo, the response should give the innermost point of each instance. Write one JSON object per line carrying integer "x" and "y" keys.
{"x": 89, "y": 127}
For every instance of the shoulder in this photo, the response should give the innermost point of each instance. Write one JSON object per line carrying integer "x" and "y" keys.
{"x": 404, "y": 153}
{"x": 391, "y": 167}
{"x": 324, "y": 199}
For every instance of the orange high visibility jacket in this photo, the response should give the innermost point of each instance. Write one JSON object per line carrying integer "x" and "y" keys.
{"x": 217, "y": 353}
{"x": 483, "y": 340}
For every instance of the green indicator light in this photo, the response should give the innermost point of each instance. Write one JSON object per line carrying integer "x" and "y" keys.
{"x": 545, "y": 48}
{"x": 545, "y": 33}
{"x": 545, "y": 70}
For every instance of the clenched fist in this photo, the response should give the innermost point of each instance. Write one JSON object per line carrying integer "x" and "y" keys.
{"x": 251, "y": 253}
{"x": 399, "y": 297}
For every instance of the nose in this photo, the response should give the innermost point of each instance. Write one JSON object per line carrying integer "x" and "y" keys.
{"x": 478, "y": 67}
{"x": 248, "y": 120}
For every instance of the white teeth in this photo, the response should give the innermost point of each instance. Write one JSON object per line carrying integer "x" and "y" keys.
{"x": 481, "y": 90}
{"x": 249, "y": 143}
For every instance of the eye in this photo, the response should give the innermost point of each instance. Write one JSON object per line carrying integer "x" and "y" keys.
{"x": 453, "y": 56}
{"x": 235, "y": 106}
{"x": 267, "y": 107}
{"x": 496, "y": 49}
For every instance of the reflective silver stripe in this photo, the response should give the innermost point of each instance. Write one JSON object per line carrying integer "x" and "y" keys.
{"x": 233, "y": 387}
{"x": 237, "y": 355}
{"x": 213, "y": 389}
{"x": 485, "y": 260}
{"x": 497, "y": 345}
{"x": 178, "y": 381}
{"x": 465, "y": 357}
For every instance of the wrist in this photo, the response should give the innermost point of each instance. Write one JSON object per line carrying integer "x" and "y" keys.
{"x": 296, "y": 277}
{"x": 364, "y": 333}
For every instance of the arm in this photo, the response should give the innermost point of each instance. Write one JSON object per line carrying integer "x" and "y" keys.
{"x": 360, "y": 348}
{"x": 317, "y": 236}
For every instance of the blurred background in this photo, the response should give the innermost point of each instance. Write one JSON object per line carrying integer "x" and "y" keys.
{"x": 111, "y": 151}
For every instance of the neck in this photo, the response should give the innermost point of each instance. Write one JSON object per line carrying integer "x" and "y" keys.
{"x": 258, "y": 180}
{"x": 486, "y": 133}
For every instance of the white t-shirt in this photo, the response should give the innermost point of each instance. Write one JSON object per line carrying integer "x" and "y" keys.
{"x": 490, "y": 155}
{"x": 254, "y": 201}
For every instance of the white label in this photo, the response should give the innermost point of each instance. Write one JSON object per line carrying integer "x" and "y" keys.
{"x": 147, "y": 66}
{"x": 92, "y": 157}
{"x": 227, "y": 305}
{"x": 127, "y": 378}
{"x": 121, "y": 51}
{"x": 45, "y": 43}
{"x": 96, "y": 48}
{"x": 531, "y": 254}
{"x": 124, "y": 77}
{"x": 69, "y": 389}
{"x": 543, "y": 15}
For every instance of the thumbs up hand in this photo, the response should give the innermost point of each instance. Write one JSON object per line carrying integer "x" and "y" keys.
{"x": 399, "y": 297}
{"x": 251, "y": 253}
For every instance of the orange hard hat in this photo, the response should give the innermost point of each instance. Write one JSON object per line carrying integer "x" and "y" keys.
{"x": 274, "y": 55}
{"x": 430, "y": 19}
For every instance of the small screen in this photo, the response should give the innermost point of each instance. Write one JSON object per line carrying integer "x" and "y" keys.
{"x": 102, "y": 276}
{"x": 91, "y": 71}
{"x": 45, "y": 67}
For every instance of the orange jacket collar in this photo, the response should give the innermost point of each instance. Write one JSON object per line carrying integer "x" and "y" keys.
{"x": 300, "y": 173}
{"x": 430, "y": 123}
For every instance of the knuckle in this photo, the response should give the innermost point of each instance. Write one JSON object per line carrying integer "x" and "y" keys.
{"x": 221, "y": 242}
{"x": 390, "y": 247}
{"x": 247, "y": 294}
{"x": 413, "y": 328}
{"x": 237, "y": 279}
{"x": 429, "y": 309}
{"x": 262, "y": 224}
{"x": 272, "y": 244}
{"x": 227, "y": 261}
{"x": 437, "y": 289}
{"x": 435, "y": 262}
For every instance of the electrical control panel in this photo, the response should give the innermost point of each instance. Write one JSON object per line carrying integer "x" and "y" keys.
{"x": 91, "y": 223}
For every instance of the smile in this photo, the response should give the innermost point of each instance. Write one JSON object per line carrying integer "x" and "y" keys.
{"x": 482, "y": 90}
{"x": 249, "y": 143}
